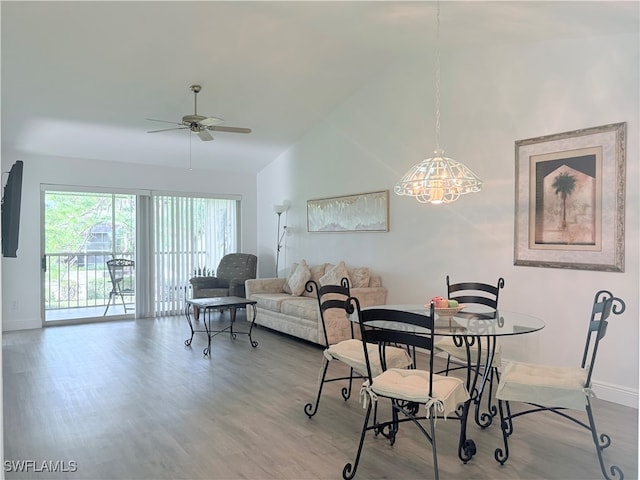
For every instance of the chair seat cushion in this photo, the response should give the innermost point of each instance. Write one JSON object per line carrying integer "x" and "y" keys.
{"x": 446, "y": 345}
{"x": 413, "y": 386}
{"x": 351, "y": 352}
{"x": 544, "y": 385}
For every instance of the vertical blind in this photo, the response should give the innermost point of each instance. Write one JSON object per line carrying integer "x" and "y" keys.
{"x": 190, "y": 236}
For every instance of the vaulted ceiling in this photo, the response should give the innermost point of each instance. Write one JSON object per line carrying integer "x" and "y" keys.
{"x": 79, "y": 79}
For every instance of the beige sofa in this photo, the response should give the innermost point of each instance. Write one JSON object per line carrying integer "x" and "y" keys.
{"x": 284, "y": 304}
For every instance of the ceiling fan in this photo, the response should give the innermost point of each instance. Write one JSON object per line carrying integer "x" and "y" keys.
{"x": 199, "y": 124}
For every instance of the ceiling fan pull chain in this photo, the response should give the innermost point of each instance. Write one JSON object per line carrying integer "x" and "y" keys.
{"x": 190, "y": 167}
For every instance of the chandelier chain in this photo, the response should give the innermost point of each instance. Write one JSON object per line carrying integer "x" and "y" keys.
{"x": 438, "y": 77}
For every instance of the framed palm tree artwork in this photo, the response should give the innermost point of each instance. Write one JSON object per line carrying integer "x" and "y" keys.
{"x": 569, "y": 210}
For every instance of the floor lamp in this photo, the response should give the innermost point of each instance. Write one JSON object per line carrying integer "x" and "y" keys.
{"x": 280, "y": 209}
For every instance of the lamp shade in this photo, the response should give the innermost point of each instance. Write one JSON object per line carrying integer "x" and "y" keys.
{"x": 438, "y": 180}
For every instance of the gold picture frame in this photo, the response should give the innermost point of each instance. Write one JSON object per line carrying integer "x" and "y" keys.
{"x": 362, "y": 212}
{"x": 569, "y": 208}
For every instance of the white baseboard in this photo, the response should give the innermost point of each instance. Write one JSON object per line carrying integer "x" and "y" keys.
{"x": 23, "y": 324}
{"x": 616, "y": 394}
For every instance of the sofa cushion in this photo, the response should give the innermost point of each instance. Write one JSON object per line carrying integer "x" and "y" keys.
{"x": 301, "y": 307}
{"x": 335, "y": 274}
{"x": 299, "y": 278}
{"x": 359, "y": 276}
{"x": 270, "y": 301}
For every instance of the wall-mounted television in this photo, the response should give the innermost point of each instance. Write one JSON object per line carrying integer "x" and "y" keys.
{"x": 11, "y": 199}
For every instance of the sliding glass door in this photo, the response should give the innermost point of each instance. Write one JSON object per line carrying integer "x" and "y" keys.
{"x": 82, "y": 231}
{"x": 159, "y": 242}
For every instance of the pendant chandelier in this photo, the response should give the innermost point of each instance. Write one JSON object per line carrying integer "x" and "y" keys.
{"x": 438, "y": 179}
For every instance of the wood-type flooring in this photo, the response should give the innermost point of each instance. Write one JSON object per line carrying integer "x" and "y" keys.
{"x": 128, "y": 400}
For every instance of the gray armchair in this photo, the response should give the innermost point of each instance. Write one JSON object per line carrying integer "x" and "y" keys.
{"x": 233, "y": 270}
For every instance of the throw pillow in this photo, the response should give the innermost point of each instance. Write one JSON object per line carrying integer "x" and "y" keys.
{"x": 359, "y": 277}
{"x": 299, "y": 278}
{"x": 335, "y": 274}
{"x": 316, "y": 272}
{"x": 286, "y": 288}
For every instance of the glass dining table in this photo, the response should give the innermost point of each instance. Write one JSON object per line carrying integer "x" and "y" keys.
{"x": 470, "y": 327}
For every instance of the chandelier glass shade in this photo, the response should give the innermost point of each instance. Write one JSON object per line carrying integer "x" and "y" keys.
{"x": 438, "y": 179}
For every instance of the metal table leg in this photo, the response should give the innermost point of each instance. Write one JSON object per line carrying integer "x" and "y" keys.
{"x": 253, "y": 321}
{"x": 207, "y": 326}
{"x": 232, "y": 315}
{"x": 187, "y": 313}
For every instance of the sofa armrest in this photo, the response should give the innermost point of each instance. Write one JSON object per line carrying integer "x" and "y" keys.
{"x": 264, "y": 285}
{"x": 206, "y": 283}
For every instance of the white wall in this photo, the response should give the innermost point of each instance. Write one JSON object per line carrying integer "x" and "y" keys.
{"x": 490, "y": 98}
{"x": 21, "y": 276}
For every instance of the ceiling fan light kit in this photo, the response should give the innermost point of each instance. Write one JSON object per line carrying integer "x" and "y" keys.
{"x": 199, "y": 124}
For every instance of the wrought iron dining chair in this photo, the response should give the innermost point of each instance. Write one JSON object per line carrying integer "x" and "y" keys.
{"x": 556, "y": 389}
{"x": 484, "y": 295}
{"x": 409, "y": 390}
{"x": 331, "y": 304}
{"x": 122, "y": 275}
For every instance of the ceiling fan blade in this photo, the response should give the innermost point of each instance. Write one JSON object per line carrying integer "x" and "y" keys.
{"x": 167, "y": 129}
{"x": 204, "y": 135}
{"x": 163, "y": 121}
{"x": 210, "y": 121}
{"x": 220, "y": 128}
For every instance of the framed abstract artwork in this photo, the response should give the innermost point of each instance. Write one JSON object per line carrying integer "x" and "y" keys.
{"x": 569, "y": 209}
{"x": 362, "y": 212}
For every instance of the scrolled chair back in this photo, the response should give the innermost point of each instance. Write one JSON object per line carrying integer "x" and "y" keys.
{"x": 390, "y": 327}
{"x": 328, "y": 297}
{"x": 604, "y": 303}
